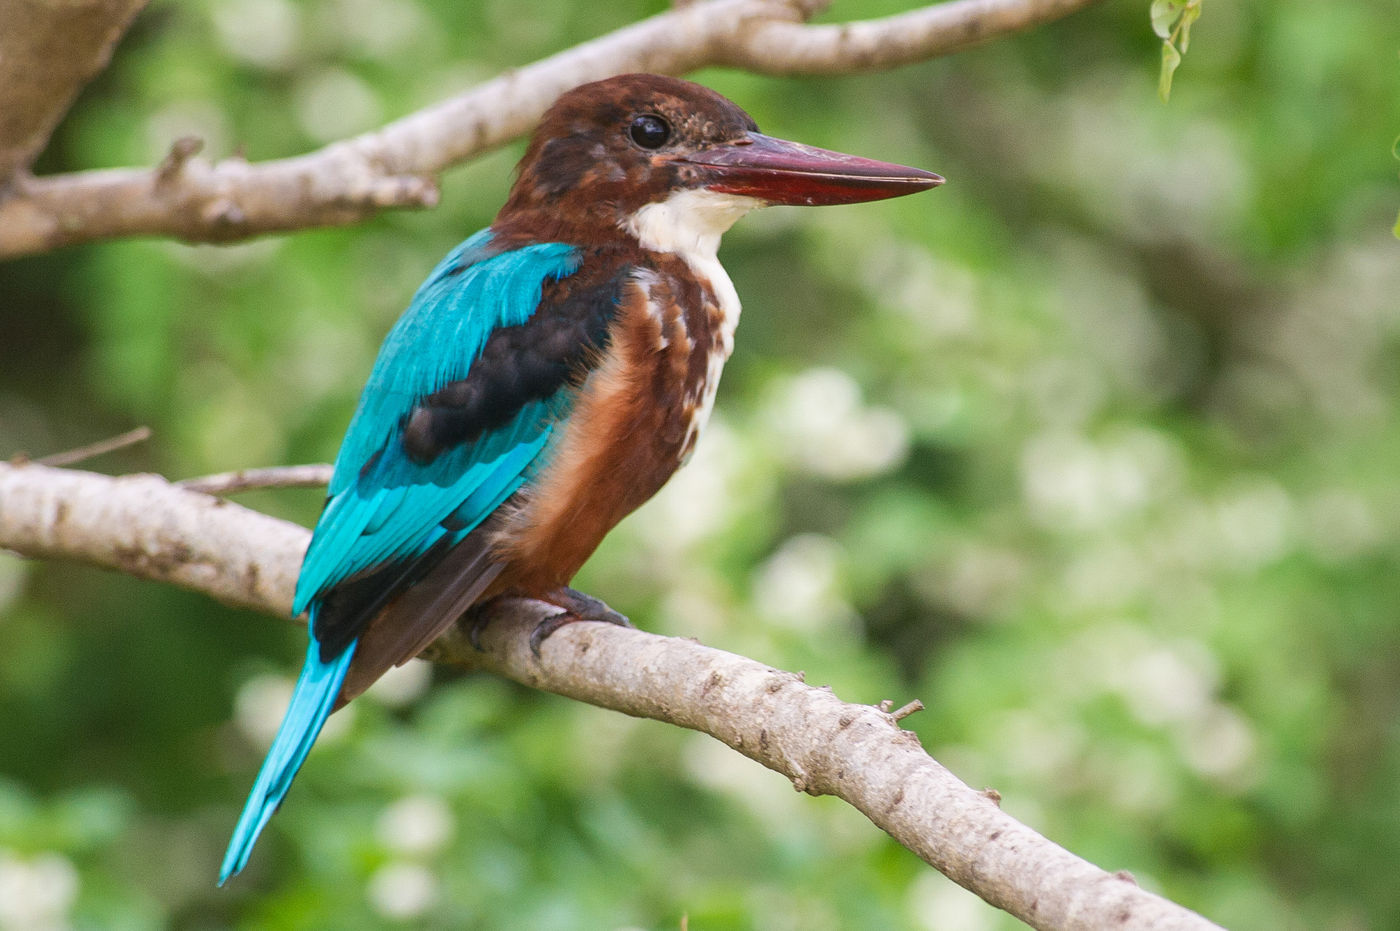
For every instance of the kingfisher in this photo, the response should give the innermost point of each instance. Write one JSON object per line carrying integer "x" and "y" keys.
{"x": 547, "y": 378}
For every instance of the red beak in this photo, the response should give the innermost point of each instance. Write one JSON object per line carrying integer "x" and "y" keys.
{"x": 782, "y": 172}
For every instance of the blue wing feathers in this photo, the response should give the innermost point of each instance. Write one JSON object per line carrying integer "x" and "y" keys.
{"x": 386, "y": 507}
{"x": 443, "y": 332}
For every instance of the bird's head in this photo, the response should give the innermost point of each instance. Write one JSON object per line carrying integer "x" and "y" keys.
{"x": 643, "y": 155}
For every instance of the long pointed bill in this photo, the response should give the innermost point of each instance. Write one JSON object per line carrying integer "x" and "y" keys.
{"x": 782, "y": 172}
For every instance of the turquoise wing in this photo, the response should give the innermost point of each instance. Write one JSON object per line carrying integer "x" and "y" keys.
{"x": 384, "y": 506}
{"x": 388, "y": 510}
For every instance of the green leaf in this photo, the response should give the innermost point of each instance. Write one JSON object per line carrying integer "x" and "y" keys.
{"x": 1171, "y": 21}
{"x": 1164, "y": 16}
{"x": 1189, "y": 15}
{"x": 1171, "y": 58}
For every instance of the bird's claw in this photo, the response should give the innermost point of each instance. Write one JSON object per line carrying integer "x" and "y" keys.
{"x": 577, "y": 607}
{"x": 474, "y": 629}
{"x": 574, "y": 606}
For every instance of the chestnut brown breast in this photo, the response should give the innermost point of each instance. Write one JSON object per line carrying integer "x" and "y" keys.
{"x": 637, "y": 418}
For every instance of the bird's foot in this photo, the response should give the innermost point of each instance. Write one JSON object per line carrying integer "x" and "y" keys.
{"x": 576, "y": 607}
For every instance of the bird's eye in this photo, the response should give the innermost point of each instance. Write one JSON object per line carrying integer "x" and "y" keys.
{"x": 649, "y": 131}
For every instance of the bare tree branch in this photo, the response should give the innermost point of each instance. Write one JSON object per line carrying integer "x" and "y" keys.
{"x": 101, "y": 447}
{"x": 145, "y": 526}
{"x": 231, "y": 483}
{"x": 879, "y": 44}
{"x": 48, "y": 52}
{"x": 201, "y": 201}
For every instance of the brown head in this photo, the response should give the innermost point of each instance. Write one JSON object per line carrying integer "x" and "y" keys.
{"x": 606, "y": 150}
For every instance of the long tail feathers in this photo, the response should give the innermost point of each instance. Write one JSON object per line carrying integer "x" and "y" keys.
{"x": 311, "y": 704}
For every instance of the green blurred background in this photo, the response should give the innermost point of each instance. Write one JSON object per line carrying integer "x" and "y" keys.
{"x": 1094, "y": 450}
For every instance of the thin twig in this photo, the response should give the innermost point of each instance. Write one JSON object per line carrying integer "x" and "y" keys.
{"x": 905, "y": 711}
{"x": 84, "y": 453}
{"x": 315, "y": 475}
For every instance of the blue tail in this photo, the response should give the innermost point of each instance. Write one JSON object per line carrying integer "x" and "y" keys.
{"x": 311, "y": 705}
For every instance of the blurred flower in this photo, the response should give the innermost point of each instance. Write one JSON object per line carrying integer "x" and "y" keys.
{"x": 36, "y": 893}
{"x": 799, "y": 584}
{"x": 402, "y": 685}
{"x": 937, "y": 903}
{"x": 979, "y": 581}
{"x": 1105, "y": 576}
{"x": 765, "y": 794}
{"x": 1071, "y": 482}
{"x": 377, "y": 28}
{"x": 935, "y": 295}
{"x": 403, "y": 891}
{"x": 1220, "y": 744}
{"x": 1254, "y": 522}
{"x": 1035, "y": 744}
{"x": 417, "y": 825}
{"x": 333, "y": 103}
{"x": 1341, "y": 525}
{"x": 266, "y": 33}
{"x": 262, "y": 701}
{"x": 1064, "y": 392}
{"x": 819, "y": 423}
{"x": 1167, "y": 682}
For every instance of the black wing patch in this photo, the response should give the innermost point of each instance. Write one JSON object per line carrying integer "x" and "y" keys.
{"x": 554, "y": 348}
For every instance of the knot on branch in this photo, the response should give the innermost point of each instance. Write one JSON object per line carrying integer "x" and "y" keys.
{"x": 181, "y": 151}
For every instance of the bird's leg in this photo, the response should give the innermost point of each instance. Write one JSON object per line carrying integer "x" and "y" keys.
{"x": 575, "y": 606}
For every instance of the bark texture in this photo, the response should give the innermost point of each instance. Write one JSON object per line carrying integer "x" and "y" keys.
{"x": 49, "y": 50}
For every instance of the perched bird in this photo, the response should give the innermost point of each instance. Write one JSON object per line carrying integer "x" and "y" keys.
{"x": 549, "y": 376}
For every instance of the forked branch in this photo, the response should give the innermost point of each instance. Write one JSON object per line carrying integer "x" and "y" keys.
{"x": 198, "y": 200}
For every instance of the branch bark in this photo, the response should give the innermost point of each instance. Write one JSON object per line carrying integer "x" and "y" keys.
{"x": 880, "y": 44}
{"x": 49, "y": 51}
{"x": 197, "y": 200}
{"x": 147, "y": 527}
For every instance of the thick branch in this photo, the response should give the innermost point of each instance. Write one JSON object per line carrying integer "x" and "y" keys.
{"x": 50, "y": 49}
{"x": 395, "y": 166}
{"x": 145, "y": 526}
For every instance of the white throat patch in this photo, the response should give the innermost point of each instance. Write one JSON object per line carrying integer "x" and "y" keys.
{"x": 689, "y": 224}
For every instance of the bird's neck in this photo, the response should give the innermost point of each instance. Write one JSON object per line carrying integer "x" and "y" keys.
{"x": 688, "y": 224}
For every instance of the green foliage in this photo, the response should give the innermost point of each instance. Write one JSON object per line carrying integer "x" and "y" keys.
{"x": 1171, "y": 20}
{"x": 1093, "y": 450}
{"x": 1395, "y": 150}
